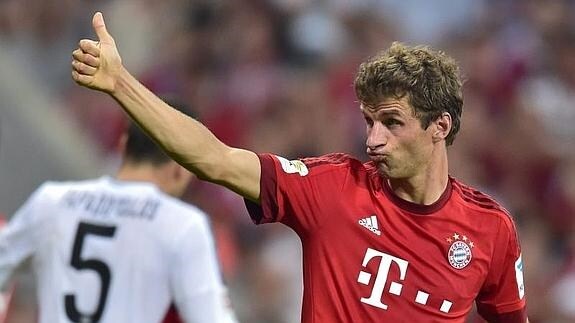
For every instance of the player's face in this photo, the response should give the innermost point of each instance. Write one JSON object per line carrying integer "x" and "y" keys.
{"x": 396, "y": 141}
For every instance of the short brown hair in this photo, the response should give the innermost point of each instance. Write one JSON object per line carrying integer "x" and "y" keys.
{"x": 429, "y": 78}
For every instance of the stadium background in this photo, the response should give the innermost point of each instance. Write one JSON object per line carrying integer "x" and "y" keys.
{"x": 275, "y": 76}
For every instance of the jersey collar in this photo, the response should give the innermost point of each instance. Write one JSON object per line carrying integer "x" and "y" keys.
{"x": 414, "y": 207}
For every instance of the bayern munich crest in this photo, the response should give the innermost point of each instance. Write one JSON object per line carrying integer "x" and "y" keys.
{"x": 459, "y": 254}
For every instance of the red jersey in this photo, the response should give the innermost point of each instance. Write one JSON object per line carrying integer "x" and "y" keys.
{"x": 369, "y": 256}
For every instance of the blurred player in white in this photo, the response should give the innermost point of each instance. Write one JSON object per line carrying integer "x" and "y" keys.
{"x": 118, "y": 249}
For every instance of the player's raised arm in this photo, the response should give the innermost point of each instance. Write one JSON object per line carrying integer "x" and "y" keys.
{"x": 98, "y": 65}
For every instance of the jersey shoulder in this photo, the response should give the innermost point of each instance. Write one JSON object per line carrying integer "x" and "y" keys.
{"x": 329, "y": 159}
{"x": 44, "y": 203}
{"x": 52, "y": 191}
{"x": 333, "y": 162}
{"x": 482, "y": 203}
{"x": 173, "y": 209}
{"x": 343, "y": 171}
{"x": 185, "y": 212}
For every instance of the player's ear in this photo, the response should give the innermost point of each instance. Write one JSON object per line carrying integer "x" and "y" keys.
{"x": 178, "y": 172}
{"x": 121, "y": 147}
{"x": 442, "y": 126}
{"x": 180, "y": 179}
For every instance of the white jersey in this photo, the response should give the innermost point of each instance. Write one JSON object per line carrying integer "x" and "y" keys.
{"x": 113, "y": 251}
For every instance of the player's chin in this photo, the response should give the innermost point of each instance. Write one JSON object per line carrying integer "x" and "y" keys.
{"x": 388, "y": 171}
{"x": 384, "y": 170}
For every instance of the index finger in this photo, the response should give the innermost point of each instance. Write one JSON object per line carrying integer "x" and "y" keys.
{"x": 89, "y": 46}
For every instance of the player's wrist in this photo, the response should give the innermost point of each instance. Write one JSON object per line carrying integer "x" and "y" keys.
{"x": 120, "y": 83}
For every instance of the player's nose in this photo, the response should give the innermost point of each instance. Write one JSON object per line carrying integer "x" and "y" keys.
{"x": 376, "y": 136}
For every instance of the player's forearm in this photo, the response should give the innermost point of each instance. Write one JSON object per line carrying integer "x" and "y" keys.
{"x": 186, "y": 140}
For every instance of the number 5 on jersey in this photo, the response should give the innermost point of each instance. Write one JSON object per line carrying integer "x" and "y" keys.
{"x": 100, "y": 267}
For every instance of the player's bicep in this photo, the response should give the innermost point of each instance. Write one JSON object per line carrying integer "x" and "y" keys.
{"x": 241, "y": 172}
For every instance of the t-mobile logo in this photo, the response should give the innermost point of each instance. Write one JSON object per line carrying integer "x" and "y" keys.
{"x": 385, "y": 263}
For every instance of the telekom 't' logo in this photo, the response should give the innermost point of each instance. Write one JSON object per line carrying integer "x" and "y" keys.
{"x": 385, "y": 263}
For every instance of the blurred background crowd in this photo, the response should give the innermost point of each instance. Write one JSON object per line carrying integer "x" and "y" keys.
{"x": 276, "y": 76}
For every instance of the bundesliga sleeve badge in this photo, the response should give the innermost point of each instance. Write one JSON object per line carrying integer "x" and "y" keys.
{"x": 459, "y": 254}
{"x": 293, "y": 166}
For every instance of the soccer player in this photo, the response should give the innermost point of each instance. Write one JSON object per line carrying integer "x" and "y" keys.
{"x": 119, "y": 249}
{"x": 395, "y": 239}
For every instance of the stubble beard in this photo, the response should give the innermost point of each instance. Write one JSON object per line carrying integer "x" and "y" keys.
{"x": 391, "y": 170}
{"x": 384, "y": 170}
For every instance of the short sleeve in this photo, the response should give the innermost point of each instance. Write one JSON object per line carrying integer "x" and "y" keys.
{"x": 195, "y": 276}
{"x": 502, "y": 296}
{"x": 298, "y": 193}
{"x": 19, "y": 238}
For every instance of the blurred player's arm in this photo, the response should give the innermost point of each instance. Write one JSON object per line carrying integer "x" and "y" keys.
{"x": 199, "y": 293}
{"x": 19, "y": 237}
{"x": 98, "y": 65}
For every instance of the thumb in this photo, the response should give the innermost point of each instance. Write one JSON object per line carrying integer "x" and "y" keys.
{"x": 100, "y": 28}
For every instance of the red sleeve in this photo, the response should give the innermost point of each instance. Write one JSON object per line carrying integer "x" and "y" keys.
{"x": 502, "y": 296}
{"x": 519, "y": 316}
{"x": 297, "y": 193}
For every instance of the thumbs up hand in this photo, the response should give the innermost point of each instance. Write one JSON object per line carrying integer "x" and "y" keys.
{"x": 97, "y": 64}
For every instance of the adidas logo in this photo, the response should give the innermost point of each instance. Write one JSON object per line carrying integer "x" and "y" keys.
{"x": 371, "y": 224}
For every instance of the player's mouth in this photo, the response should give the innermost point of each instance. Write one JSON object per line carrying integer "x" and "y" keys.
{"x": 378, "y": 158}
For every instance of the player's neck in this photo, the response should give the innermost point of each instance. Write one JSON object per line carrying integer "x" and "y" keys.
{"x": 137, "y": 174}
{"x": 427, "y": 186}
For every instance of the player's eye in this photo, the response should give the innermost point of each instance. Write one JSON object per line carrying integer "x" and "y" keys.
{"x": 368, "y": 121}
{"x": 392, "y": 122}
